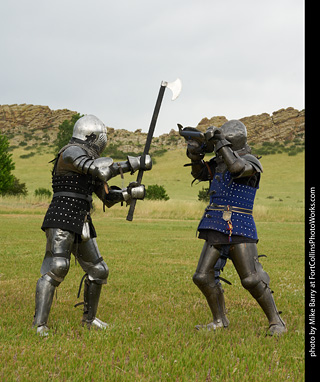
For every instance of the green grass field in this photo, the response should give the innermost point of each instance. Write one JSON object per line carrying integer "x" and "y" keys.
{"x": 150, "y": 300}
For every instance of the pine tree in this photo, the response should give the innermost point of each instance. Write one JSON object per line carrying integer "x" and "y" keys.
{"x": 9, "y": 184}
{"x": 6, "y": 166}
{"x": 65, "y": 132}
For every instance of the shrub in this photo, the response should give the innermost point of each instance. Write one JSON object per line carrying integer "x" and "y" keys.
{"x": 155, "y": 192}
{"x": 65, "y": 132}
{"x": 203, "y": 194}
{"x": 18, "y": 188}
{"x": 25, "y": 156}
{"x": 42, "y": 192}
{"x": 159, "y": 152}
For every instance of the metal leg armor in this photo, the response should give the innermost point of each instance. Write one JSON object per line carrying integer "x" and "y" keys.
{"x": 91, "y": 296}
{"x": 97, "y": 271}
{"x": 44, "y": 297}
{"x": 210, "y": 286}
{"x": 256, "y": 281}
{"x": 54, "y": 268}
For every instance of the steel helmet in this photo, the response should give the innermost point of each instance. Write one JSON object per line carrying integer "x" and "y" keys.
{"x": 91, "y": 130}
{"x": 236, "y": 133}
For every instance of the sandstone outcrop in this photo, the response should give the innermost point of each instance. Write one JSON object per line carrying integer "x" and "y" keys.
{"x": 36, "y": 124}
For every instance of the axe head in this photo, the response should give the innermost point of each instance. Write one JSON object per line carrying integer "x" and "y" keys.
{"x": 174, "y": 86}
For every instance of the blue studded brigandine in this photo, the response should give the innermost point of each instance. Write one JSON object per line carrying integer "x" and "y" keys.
{"x": 78, "y": 172}
{"x": 227, "y": 225}
{"x": 230, "y": 208}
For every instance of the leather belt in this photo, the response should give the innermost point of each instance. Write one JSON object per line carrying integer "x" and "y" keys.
{"x": 217, "y": 207}
{"x": 88, "y": 198}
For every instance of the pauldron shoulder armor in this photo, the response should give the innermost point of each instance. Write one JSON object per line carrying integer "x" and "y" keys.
{"x": 254, "y": 161}
{"x": 85, "y": 163}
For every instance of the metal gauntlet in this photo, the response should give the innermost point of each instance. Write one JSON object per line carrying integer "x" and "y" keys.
{"x": 142, "y": 162}
{"x": 133, "y": 191}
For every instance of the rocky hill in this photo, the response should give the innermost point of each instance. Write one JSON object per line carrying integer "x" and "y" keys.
{"x": 30, "y": 125}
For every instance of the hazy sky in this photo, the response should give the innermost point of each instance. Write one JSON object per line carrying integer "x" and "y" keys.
{"x": 108, "y": 58}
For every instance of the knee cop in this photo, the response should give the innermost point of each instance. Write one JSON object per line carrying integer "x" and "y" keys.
{"x": 211, "y": 278}
{"x": 58, "y": 270}
{"x": 256, "y": 282}
{"x": 204, "y": 281}
{"x": 91, "y": 261}
{"x": 99, "y": 272}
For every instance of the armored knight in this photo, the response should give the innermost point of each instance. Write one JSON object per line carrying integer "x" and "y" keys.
{"x": 227, "y": 225}
{"x": 78, "y": 172}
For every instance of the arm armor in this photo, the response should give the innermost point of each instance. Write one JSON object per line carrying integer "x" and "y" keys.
{"x": 238, "y": 166}
{"x": 254, "y": 161}
{"x": 103, "y": 168}
{"x": 116, "y": 194}
{"x": 247, "y": 163}
{"x": 199, "y": 170}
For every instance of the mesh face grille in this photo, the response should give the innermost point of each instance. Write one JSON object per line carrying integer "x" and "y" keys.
{"x": 101, "y": 142}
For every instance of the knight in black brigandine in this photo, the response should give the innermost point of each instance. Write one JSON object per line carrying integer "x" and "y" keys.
{"x": 78, "y": 172}
{"x": 227, "y": 225}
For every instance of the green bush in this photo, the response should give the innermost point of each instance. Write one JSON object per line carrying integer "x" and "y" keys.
{"x": 18, "y": 188}
{"x": 155, "y": 192}
{"x": 203, "y": 194}
{"x": 65, "y": 132}
{"x": 42, "y": 192}
{"x": 25, "y": 156}
{"x": 112, "y": 151}
{"x": 289, "y": 147}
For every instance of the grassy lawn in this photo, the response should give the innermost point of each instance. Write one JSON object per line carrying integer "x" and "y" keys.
{"x": 150, "y": 300}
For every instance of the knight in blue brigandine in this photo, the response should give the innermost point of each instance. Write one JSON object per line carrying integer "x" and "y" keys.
{"x": 79, "y": 171}
{"x": 227, "y": 225}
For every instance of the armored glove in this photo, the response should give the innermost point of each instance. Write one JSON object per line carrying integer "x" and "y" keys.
{"x": 194, "y": 150}
{"x": 134, "y": 191}
{"x": 218, "y": 140}
{"x": 198, "y": 143}
{"x": 142, "y": 162}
